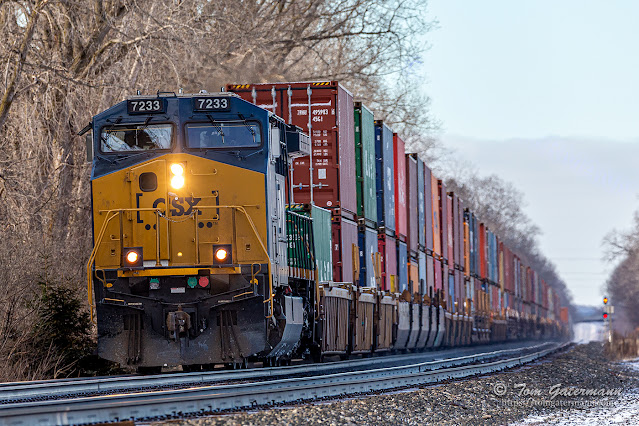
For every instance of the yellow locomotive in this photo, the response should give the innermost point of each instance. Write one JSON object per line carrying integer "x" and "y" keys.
{"x": 189, "y": 265}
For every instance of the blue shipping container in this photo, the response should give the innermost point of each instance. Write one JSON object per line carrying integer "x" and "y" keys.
{"x": 385, "y": 176}
{"x": 402, "y": 265}
{"x": 367, "y": 248}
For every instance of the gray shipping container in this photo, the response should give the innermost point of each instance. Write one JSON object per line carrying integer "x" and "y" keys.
{"x": 367, "y": 248}
{"x": 412, "y": 204}
{"x": 423, "y": 284}
{"x": 402, "y": 265}
{"x": 344, "y": 238}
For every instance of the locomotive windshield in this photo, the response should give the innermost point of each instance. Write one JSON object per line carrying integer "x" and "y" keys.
{"x": 133, "y": 137}
{"x": 223, "y": 135}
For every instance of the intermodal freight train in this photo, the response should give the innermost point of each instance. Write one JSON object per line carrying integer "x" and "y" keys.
{"x": 275, "y": 221}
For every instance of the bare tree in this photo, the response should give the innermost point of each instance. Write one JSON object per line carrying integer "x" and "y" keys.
{"x": 65, "y": 60}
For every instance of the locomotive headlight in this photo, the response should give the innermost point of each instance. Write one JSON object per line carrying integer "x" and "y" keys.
{"x": 177, "y": 169}
{"x": 177, "y": 182}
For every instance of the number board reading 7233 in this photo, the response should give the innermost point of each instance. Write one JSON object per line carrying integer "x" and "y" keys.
{"x": 145, "y": 106}
{"x": 211, "y": 104}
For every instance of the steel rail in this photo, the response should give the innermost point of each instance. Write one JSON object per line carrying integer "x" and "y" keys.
{"x": 215, "y": 398}
{"x": 72, "y": 387}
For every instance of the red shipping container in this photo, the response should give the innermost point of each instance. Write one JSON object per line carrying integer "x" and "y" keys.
{"x": 401, "y": 219}
{"x": 455, "y": 234}
{"x": 544, "y": 294}
{"x": 388, "y": 250}
{"x": 344, "y": 235}
{"x": 438, "y": 275}
{"x": 428, "y": 207}
{"x": 450, "y": 238}
{"x": 529, "y": 286}
{"x": 412, "y": 208}
{"x": 508, "y": 265}
{"x": 482, "y": 250}
{"x": 328, "y": 108}
{"x": 460, "y": 233}
{"x": 516, "y": 276}
{"x": 501, "y": 265}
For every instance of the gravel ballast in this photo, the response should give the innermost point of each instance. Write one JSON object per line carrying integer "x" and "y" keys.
{"x": 579, "y": 379}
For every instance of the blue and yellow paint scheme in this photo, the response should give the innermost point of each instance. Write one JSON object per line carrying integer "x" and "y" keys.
{"x": 172, "y": 182}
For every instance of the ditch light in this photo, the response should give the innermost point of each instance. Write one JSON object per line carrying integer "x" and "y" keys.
{"x": 222, "y": 254}
{"x": 133, "y": 257}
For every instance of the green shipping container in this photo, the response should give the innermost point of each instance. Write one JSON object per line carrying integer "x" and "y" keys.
{"x": 298, "y": 238}
{"x": 365, "y": 164}
{"x": 323, "y": 243}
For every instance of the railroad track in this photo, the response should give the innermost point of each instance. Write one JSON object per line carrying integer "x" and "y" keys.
{"x": 177, "y": 395}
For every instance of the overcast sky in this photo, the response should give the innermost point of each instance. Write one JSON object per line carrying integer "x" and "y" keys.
{"x": 546, "y": 95}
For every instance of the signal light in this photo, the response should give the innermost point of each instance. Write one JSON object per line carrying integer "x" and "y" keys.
{"x": 222, "y": 254}
{"x": 133, "y": 257}
{"x": 605, "y": 300}
{"x": 605, "y": 315}
{"x": 203, "y": 282}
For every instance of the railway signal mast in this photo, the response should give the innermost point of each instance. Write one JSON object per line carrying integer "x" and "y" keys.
{"x": 607, "y": 312}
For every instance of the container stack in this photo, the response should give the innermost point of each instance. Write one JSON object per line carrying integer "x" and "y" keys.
{"x": 388, "y": 225}
{"x": 366, "y": 187}
{"x": 324, "y": 110}
{"x": 385, "y": 167}
{"x": 437, "y": 240}
{"x": 412, "y": 221}
{"x": 428, "y": 234}
{"x": 401, "y": 212}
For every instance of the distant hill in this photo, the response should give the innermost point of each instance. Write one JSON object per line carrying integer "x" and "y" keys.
{"x": 588, "y": 313}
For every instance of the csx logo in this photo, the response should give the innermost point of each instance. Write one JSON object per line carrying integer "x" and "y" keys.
{"x": 179, "y": 206}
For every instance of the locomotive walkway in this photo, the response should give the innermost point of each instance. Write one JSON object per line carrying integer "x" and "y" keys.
{"x": 178, "y": 395}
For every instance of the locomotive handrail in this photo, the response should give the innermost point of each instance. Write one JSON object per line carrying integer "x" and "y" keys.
{"x": 92, "y": 259}
{"x": 110, "y": 214}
